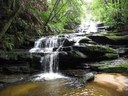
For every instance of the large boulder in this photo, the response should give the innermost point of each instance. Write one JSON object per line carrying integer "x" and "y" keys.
{"x": 86, "y": 41}
{"x": 101, "y": 39}
{"x": 75, "y": 56}
{"x": 95, "y": 52}
{"x": 67, "y": 43}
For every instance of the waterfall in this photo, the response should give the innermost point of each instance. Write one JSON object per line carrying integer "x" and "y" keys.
{"x": 47, "y": 44}
{"x": 49, "y": 60}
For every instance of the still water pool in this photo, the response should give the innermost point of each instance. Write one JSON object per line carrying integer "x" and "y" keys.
{"x": 59, "y": 88}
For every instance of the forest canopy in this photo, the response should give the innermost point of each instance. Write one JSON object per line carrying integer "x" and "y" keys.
{"x": 20, "y": 20}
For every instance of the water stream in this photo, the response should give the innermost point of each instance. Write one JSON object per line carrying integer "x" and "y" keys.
{"x": 49, "y": 60}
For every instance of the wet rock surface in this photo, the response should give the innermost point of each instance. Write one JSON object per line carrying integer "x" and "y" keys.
{"x": 78, "y": 78}
{"x": 75, "y": 56}
{"x": 76, "y": 51}
{"x": 112, "y": 40}
{"x": 119, "y": 65}
{"x": 18, "y": 62}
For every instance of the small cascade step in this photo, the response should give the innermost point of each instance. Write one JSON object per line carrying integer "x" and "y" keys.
{"x": 49, "y": 60}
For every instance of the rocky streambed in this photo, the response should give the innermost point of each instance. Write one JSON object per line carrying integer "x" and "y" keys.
{"x": 79, "y": 54}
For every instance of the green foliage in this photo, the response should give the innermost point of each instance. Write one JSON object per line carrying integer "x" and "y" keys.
{"x": 59, "y": 14}
{"x": 112, "y": 12}
{"x": 8, "y": 42}
{"x": 16, "y": 35}
{"x": 56, "y": 28}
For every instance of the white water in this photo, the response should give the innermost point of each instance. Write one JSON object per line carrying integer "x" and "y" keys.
{"x": 50, "y": 59}
{"x": 50, "y": 62}
{"x": 88, "y": 27}
{"x": 46, "y": 44}
{"x": 49, "y": 76}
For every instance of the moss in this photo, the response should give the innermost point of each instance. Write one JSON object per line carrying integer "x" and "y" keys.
{"x": 121, "y": 68}
{"x": 116, "y": 38}
{"x": 115, "y": 70}
{"x": 112, "y": 34}
{"x": 110, "y": 56}
{"x": 101, "y": 49}
{"x": 123, "y": 65}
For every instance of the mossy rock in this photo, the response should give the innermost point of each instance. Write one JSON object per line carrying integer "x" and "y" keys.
{"x": 88, "y": 53}
{"x": 108, "y": 56}
{"x": 123, "y": 40}
{"x": 116, "y": 33}
{"x": 113, "y": 33}
{"x": 121, "y": 68}
{"x": 69, "y": 59}
{"x": 99, "y": 48}
{"x": 112, "y": 40}
{"x": 94, "y": 50}
{"x": 114, "y": 70}
{"x": 116, "y": 38}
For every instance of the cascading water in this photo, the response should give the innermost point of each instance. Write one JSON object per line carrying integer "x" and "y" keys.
{"x": 49, "y": 61}
{"x": 46, "y": 44}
